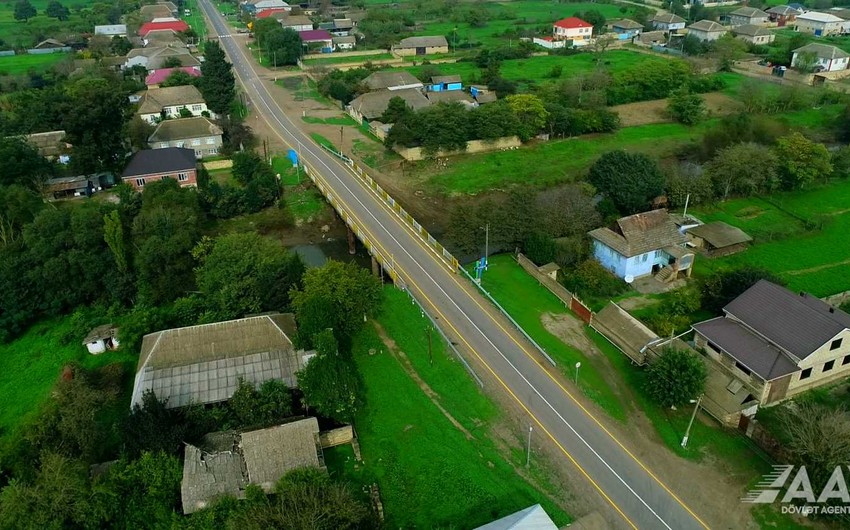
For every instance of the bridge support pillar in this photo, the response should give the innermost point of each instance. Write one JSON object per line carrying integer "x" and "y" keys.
{"x": 352, "y": 242}
{"x": 376, "y": 269}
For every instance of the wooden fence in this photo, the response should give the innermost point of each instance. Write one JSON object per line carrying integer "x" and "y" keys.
{"x": 569, "y": 300}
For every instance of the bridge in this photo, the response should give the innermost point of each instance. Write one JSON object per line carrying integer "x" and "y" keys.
{"x": 509, "y": 363}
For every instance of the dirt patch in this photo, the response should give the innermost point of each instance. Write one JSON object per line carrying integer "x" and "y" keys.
{"x": 636, "y": 302}
{"x": 655, "y": 111}
{"x": 818, "y": 268}
{"x": 402, "y": 358}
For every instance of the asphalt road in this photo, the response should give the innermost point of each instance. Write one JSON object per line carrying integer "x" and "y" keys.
{"x": 638, "y": 499}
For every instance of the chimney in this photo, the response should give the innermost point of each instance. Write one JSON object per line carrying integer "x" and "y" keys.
{"x": 831, "y": 309}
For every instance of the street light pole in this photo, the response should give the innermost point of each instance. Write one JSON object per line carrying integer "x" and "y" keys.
{"x": 578, "y": 365}
{"x": 528, "y": 451}
{"x": 690, "y": 423}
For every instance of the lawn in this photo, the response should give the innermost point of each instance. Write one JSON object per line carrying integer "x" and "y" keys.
{"x": 430, "y": 474}
{"x": 31, "y": 364}
{"x": 546, "y": 164}
{"x": 195, "y": 20}
{"x": 22, "y": 64}
{"x": 817, "y": 261}
{"x": 337, "y": 59}
{"x": 304, "y": 88}
{"x": 336, "y": 120}
{"x": 527, "y": 301}
{"x": 535, "y": 70}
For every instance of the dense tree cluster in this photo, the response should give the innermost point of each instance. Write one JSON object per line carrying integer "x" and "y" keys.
{"x": 343, "y": 85}
{"x": 257, "y": 188}
{"x": 217, "y": 84}
{"x": 629, "y": 180}
{"x": 675, "y": 377}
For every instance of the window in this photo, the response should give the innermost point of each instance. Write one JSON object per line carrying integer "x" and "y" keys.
{"x": 657, "y": 253}
{"x": 827, "y": 366}
{"x": 213, "y": 151}
{"x": 846, "y": 360}
{"x": 140, "y": 182}
{"x": 182, "y": 177}
{"x": 210, "y": 141}
{"x": 196, "y": 141}
{"x": 643, "y": 258}
{"x": 742, "y": 368}
{"x": 197, "y": 108}
{"x": 713, "y": 346}
{"x": 198, "y": 154}
{"x": 835, "y": 344}
{"x": 805, "y": 374}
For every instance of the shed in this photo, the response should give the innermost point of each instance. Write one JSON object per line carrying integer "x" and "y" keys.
{"x": 210, "y": 475}
{"x": 718, "y": 238}
{"x": 624, "y": 331}
{"x": 550, "y": 270}
{"x": 101, "y": 338}
{"x": 271, "y": 453}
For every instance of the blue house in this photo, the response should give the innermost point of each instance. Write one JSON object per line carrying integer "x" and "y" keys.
{"x": 625, "y": 28}
{"x": 443, "y": 83}
{"x": 642, "y": 244}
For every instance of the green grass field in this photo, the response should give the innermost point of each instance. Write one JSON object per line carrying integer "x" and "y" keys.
{"x": 344, "y": 119}
{"x": 333, "y": 59}
{"x": 195, "y": 20}
{"x": 31, "y": 364}
{"x": 22, "y": 64}
{"x": 546, "y": 164}
{"x": 815, "y": 261}
{"x": 430, "y": 474}
{"x": 527, "y": 301}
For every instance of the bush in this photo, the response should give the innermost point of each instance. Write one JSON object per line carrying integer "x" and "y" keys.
{"x": 722, "y": 287}
{"x": 590, "y": 278}
{"x": 685, "y": 107}
{"x": 675, "y": 377}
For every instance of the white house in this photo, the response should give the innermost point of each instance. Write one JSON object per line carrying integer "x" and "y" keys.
{"x": 819, "y": 24}
{"x": 642, "y": 244}
{"x": 753, "y": 34}
{"x": 706, "y": 30}
{"x": 111, "y": 30}
{"x": 159, "y": 103}
{"x": 297, "y": 22}
{"x": 668, "y": 22}
{"x": 829, "y": 58}
{"x": 748, "y": 15}
{"x": 345, "y": 43}
{"x": 574, "y": 29}
{"x": 101, "y": 338}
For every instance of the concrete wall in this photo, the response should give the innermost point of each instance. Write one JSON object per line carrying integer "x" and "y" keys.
{"x": 334, "y": 437}
{"x": 473, "y": 146}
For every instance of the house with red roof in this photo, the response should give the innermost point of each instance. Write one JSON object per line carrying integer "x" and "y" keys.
{"x": 317, "y": 38}
{"x": 156, "y": 77}
{"x": 574, "y": 29}
{"x": 266, "y": 13}
{"x": 177, "y": 26}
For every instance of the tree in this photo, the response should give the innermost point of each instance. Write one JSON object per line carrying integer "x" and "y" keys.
{"x": 397, "y": 110}
{"x": 24, "y": 10}
{"x": 179, "y": 78}
{"x": 727, "y": 49}
{"x": 113, "y": 234}
{"x": 722, "y": 287}
{"x": 283, "y": 45}
{"x": 18, "y": 207}
{"x": 253, "y": 408}
{"x": 171, "y": 62}
{"x": 336, "y": 295}
{"x": 217, "y": 84}
{"x": 675, "y": 377}
{"x": 630, "y": 180}
{"x": 530, "y": 113}
{"x": 120, "y": 45}
{"x": 247, "y": 273}
{"x": 743, "y": 169}
{"x": 245, "y": 165}
{"x": 138, "y": 131}
{"x": 567, "y": 211}
{"x": 686, "y": 107}
{"x": 806, "y": 62}
{"x": 57, "y": 10}
{"x": 594, "y": 17}
{"x": 330, "y": 381}
{"x": 802, "y": 161}
{"x": 22, "y": 164}
{"x": 95, "y": 126}
{"x": 818, "y": 437}
{"x": 152, "y": 426}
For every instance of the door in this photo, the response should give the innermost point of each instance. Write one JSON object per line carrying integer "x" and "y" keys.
{"x": 818, "y": 32}
{"x": 420, "y": 50}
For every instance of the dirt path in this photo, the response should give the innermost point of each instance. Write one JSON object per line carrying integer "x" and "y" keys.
{"x": 402, "y": 358}
{"x": 817, "y": 268}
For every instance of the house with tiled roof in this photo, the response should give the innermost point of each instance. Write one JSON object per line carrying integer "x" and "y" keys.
{"x": 668, "y": 22}
{"x": 643, "y": 244}
{"x": 574, "y": 29}
{"x": 706, "y": 30}
{"x": 198, "y": 134}
{"x": 158, "y": 104}
{"x": 782, "y": 15}
{"x": 778, "y": 343}
{"x": 753, "y": 34}
{"x": 151, "y": 165}
{"x": 176, "y": 25}
{"x": 826, "y": 58}
{"x": 748, "y": 15}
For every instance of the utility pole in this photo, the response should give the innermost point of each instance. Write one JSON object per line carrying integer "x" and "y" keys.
{"x": 528, "y": 449}
{"x": 486, "y": 241}
{"x": 690, "y": 423}
{"x": 430, "y": 352}
{"x": 341, "y": 135}
{"x": 578, "y": 365}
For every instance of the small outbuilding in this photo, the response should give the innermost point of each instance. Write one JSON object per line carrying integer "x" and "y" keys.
{"x": 718, "y": 238}
{"x": 101, "y": 339}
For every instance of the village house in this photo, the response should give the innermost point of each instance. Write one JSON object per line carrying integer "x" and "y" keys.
{"x": 748, "y": 15}
{"x": 753, "y": 34}
{"x": 150, "y": 12}
{"x": 421, "y": 46}
{"x": 390, "y": 80}
{"x": 158, "y": 104}
{"x": 827, "y": 58}
{"x": 161, "y": 38}
{"x": 252, "y": 7}
{"x": 444, "y": 83}
{"x": 345, "y": 43}
{"x": 77, "y": 186}
{"x": 342, "y": 27}
{"x": 155, "y": 57}
{"x": 198, "y": 134}
{"x": 51, "y": 144}
{"x": 625, "y": 28}
{"x": 572, "y": 29}
{"x": 203, "y": 364}
{"x": 371, "y": 105}
{"x": 317, "y": 38}
{"x": 778, "y": 343}
{"x": 819, "y": 24}
{"x": 175, "y": 25}
{"x": 157, "y": 77}
{"x": 150, "y": 165}
{"x": 225, "y": 463}
{"x": 296, "y": 22}
{"x": 276, "y": 13}
{"x": 101, "y": 339}
{"x": 643, "y": 244}
{"x": 111, "y": 30}
{"x": 668, "y": 22}
{"x": 706, "y": 30}
{"x": 782, "y": 15}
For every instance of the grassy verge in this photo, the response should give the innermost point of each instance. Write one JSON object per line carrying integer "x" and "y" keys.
{"x": 336, "y": 120}
{"x": 304, "y": 88}
{"x": 321, "y": 140}
{"x": 30, "y": 365}
{"x": 333, "y": 60}
{"x": 430, "y": 473}
{"x": 527, "y": 301}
